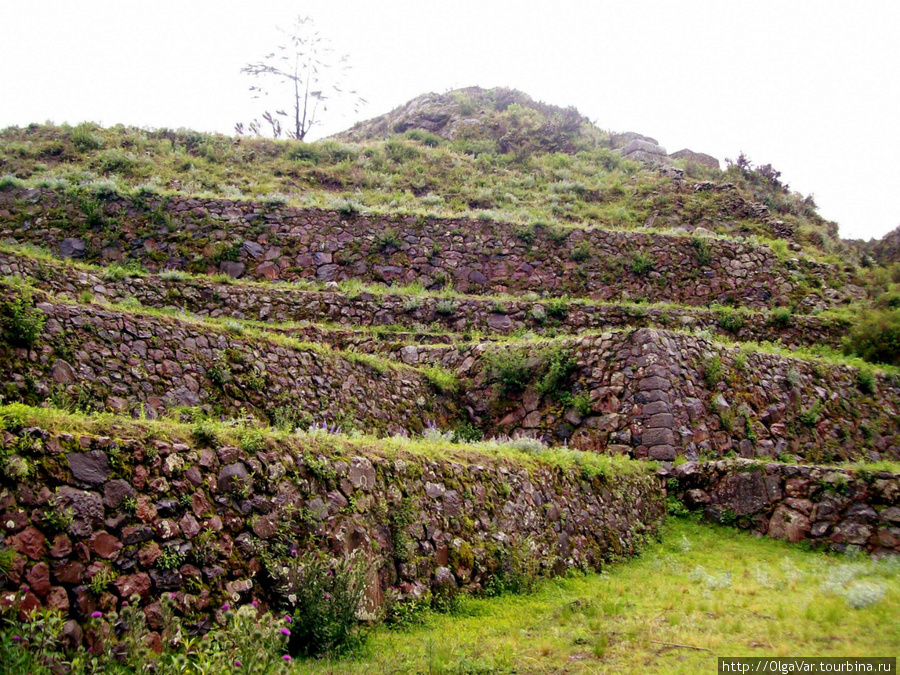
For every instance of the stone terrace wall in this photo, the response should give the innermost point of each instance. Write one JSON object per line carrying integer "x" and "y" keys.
{"x": 91, "y": 357}
{"x": 264, "y": 241}
{"x": 283, "y": 303}
{"x": 234, "y": 517}
{"x": 649, "y": 395}
{"x": 827, "y": 507}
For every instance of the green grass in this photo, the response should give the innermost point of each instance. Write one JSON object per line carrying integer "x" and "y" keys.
{"x": 710, "y": 590}
{"x": 468, "y": 177}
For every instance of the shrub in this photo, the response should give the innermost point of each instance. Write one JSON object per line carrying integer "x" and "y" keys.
{"x": 876, "y": 337}
{"x": 559, "y": 366}
{"x": 445, "y": 307}
{"x": 712, "y": 371}
{"x": 581, "y": 252}
{"x": 326, "y": 594}
{"x": 557, "y": 308}
{"x": 731, "y": 320}
{"x": 701, "y": 246}
{"x": 466, "y": 432}
{"x": 441, "y": 379}
{"x": 810, "y": 416}
{"x": 865, "y": 380}
{"x": 641, "y": 264}
{"x": 781, "y": 317}
{"x": 388, "y": 239}
{"x": 22, "y": 322}
{"x": 508, "y": 367}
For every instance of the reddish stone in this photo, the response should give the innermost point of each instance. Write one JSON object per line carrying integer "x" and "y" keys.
{"x": 146, "y": 511}
{"x": 38, "y": 578}
{"x": 154, "y": 642}
{"x": 28, "y": 604}
{"x": 62, "y": 546}
{"x": 85, "y": 601}
{"x": 133, "y": 583}
{"x": 14, "y": 521}
{"x": 154, "y": 616}
{"x": 82, "y": 552}
{"x": 68, "y": 572}
{"x": 31, "y": 542}
{"x": 58, "y": 599}
{"x": 148, "y": 555}
{"x": 189, "y": 526}
{"x": 200, "y": 505}
{"x": 105, "y": 545}
{"x": 16, "y": 569}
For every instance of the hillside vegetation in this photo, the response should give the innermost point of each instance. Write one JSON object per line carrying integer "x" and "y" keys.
{"x": 343, "y": 398}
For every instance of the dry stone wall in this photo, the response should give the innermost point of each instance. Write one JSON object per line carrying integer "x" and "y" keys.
{"x": 93, "y": 505}
{"x": 823, "y": 506}
{"x": 658, "y": 394}
{"x": 265, "y": 241}
{"x": 285, "y": 303}
{"x": 147, "y": 365}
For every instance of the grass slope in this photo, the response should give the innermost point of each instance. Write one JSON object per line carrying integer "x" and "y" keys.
{"x": 714, "y": 591}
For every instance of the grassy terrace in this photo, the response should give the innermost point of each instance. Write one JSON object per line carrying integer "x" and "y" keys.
{"x": 414, "y": 173}
{"x": 316, "y": 442}
{"x": 699, "y": 593}
{"x": 702, "y": 592}
{"x": 554, "y": 311}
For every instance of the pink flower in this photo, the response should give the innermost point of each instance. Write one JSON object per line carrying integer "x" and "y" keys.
{"x": 254, "y": 603}
{"x": 172, "y": 595}
{"x": 226, "y": 607}
{"x": 96, "y": 615}
{"x": 17, "y": 638}
{"x": 326, "y": 596}
{"x": 124, "y": 603}
{"x": 286, "y": 657}
{"x": 24, "y": 589}
{"x": 285, "y": 631}
{"x": 287, "y": 617}
{"x": 237, "y": 663}
{"x": 293, "y": 551}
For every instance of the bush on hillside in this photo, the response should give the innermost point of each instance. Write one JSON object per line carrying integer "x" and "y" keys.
{"x": 876, "y": 337}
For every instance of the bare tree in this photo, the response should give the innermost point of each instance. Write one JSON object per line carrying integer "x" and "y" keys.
{"x": 307, "y": 67}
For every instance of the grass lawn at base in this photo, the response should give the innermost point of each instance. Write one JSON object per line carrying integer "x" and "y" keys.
{"x": 703, "y": 586}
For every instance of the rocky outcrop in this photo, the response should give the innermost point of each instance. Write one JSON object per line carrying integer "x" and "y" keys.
{"x": 700, "y": 158}
{"x": 827, "y": 507}
{"x": 644, "y": 151}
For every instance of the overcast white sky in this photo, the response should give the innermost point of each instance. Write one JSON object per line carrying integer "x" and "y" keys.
{"x": 811, "y": 87}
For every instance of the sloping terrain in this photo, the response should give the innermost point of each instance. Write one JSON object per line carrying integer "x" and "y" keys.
{"x": 474, "y": 340}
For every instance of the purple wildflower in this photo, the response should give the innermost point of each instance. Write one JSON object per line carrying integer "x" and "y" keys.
{"x": 287, "y": 617}
{"x": 286, "y": 657}
{"x": 285, "y": 631}
{"x": 326, "y": 596}
{"x": 96, "y": 615}
{"x": 17, "y": 638}
{"x": 237, "y": 663}
{"x": 226, "y": 607}
{"x": 255, "y": 603}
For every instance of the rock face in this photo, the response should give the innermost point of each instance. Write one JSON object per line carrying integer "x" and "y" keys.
{"x": 697, "y": 157}
{"x": 832, "y": 508}
{"x": 644, "y": 151}
{"x": 424, "y": 523}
